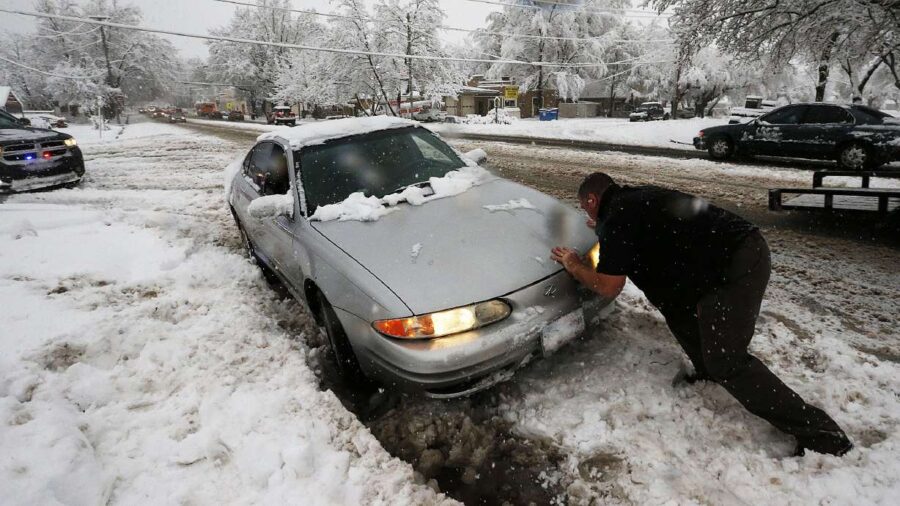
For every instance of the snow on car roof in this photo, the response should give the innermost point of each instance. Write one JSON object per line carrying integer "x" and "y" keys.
{"x": 310, "y": 134}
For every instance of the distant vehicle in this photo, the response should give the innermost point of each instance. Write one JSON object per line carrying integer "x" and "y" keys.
{"x": 430, "y": 115}
{"x": 176, "y": 115}
{"x": 50, "y": 120}
{"x": 282, "y": 115}
{"x": 411, "y": 299}
{"x": 754, "y": 107}
{"x": 159, "y": 113}
{"x": 649, "y": 111}
{"x": 235, "y": 115}
{"x": 32, "y": 158}
{"x": 207, "y": 110}
{"x": 856, "y": 136}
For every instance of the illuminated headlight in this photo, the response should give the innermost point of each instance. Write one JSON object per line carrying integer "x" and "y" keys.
{"x": 71, "y": 142}
{"x": 445, "y": 323}
{"x": 593, "y": 256}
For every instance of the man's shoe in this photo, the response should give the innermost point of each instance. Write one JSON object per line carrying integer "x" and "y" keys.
{"x": 837, "y": 445}
{"x": 683, "y": 377}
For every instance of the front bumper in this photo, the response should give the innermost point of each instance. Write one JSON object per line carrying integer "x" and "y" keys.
{"x": 24, "y": 175}
{"x": 465, "y": 363}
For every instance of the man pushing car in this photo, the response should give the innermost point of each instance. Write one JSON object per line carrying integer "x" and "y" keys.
{"x": 706, "y": 270}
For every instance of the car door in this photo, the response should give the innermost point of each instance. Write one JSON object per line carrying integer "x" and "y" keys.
{"x": 249, "y": 189}
{"x": 822, "y": 127}
{"x": 777, "y": 133}
{"x": 279, "y": 231}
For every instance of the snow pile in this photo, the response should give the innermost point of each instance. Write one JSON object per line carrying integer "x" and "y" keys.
{"x": 358, "y": 207}
{"x": 501, "y": 117}
{"x": 608, "y": 130}
{"x": 321, "y": 132}
{"x": 511, "y": 205}
{"x": 271, "y": 206}
{"x": 146, "y": 361}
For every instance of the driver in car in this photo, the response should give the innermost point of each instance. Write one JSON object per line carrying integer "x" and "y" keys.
{"x": 706, "y": 270}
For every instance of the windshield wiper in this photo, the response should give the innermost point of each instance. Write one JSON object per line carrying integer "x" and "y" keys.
{"x": 420, "y": 184}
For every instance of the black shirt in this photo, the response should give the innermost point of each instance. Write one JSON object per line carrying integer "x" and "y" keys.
{"x": 672, "y": 245}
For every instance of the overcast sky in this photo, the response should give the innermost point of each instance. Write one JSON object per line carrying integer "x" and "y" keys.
{"x": 198, "y": 16}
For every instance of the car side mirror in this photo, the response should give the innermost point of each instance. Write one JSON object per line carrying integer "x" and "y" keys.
{"x": 476, "y": 155}
{"x": 24, "y": 121}
{"x": 272, "y": 206}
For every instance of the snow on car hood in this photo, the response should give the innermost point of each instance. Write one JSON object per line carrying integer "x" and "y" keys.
{"x": 323, "y": 131}
{"x": 28, "y": 134}
{"x": 455, "y": 251}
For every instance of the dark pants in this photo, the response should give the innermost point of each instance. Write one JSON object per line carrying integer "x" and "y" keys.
{"x": 717, "y": 335}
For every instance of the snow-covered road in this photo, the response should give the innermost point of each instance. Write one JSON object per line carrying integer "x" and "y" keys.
{"x": 143, "y": 360}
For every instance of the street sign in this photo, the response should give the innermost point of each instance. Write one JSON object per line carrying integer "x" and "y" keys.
{"x": 511, "y": 92}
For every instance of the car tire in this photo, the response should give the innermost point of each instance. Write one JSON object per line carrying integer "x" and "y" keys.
{"x": 854, "y": 156}
{"x": 720, "y": 148}
{"x": 338, "y": 343}
{"x": 666, "y": 117}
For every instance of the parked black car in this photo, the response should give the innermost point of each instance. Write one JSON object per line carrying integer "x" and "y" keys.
{"x": 856, "y": 136}
{"x": 32, "y": 158}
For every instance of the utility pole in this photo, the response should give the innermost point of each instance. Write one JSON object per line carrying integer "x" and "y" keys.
{"x": 109, "y": 73}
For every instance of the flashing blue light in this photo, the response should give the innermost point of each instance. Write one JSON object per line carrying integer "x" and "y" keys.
{"x": 29, "y": 157}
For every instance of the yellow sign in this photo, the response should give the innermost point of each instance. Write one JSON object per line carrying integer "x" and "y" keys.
{"x": 511, "y": 92}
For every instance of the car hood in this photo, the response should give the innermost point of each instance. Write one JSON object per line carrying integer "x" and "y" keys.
{"x": 453, "y": 251}
{"x": 17, "y": 135}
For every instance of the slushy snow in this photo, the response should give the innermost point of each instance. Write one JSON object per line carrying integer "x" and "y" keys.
{"x": 511, "y": 205}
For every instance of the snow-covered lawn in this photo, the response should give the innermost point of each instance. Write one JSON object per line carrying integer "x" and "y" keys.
{"x": 143, "y": 360}
{"x": 608, "y": 130}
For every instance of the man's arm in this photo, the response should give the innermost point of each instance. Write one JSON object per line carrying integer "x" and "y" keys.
{"x": 606, "y": 286}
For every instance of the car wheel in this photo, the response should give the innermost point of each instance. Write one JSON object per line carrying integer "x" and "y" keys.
{"x": 721, "y": 148}
{"x": 666, "y": 117}
{"x": 338, "y": 343}
{"x": 854, "y": 156}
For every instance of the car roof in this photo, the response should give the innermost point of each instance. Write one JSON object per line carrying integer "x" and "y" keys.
{"x": 311, "y": 134}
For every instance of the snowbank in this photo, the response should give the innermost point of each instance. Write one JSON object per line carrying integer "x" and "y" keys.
{"x": 608, "y": 130}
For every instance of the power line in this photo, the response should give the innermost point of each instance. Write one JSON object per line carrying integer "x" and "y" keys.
{"x": 575, "y": 7}
{"x": 285, "y": 45}
{"x": 478, "y": 31}
{"x": 50, "y": 74}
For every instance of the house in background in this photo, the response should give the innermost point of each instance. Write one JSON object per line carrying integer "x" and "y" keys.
{"x": 9, "y": 102}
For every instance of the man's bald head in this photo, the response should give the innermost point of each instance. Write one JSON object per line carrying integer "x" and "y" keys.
{"x": 591, "y": 192}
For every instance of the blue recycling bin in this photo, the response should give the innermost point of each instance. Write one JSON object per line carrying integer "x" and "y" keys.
{"x": 548, "y": 114}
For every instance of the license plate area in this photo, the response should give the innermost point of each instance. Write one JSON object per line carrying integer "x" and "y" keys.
{"x": 562, "y": 330}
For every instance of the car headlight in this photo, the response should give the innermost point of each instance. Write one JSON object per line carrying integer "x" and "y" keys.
{"x": 593, "y": 255}
{"x": 445, "y": 323}
{"x": 70, "y": 142}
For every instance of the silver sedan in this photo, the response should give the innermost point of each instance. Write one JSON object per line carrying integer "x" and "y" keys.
{"x": 427, "y": 272}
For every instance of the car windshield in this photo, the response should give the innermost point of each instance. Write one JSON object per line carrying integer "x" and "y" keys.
{"x": 7, "y": 120}
{"x": 377, "y": 164}
{"x": 644, "y": 108}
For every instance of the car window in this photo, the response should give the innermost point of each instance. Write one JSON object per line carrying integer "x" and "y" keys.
{"x": 277, "y": 179}
{"x": 826, "y": 114}
{"x": 377, "y": 164}
{"x": 789, "y": 115}
{"x": 8, "y": 120}
{"x": 259, "y": 159}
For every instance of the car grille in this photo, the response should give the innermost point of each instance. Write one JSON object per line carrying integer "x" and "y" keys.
{"x": 20, "y": 152}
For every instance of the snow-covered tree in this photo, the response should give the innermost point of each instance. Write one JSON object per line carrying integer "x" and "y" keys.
{"x": 78, "y": 62}
{"x": 821, "y": 32}
{"x": 254, "y": 67}
{"x": 566, "y": 22}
